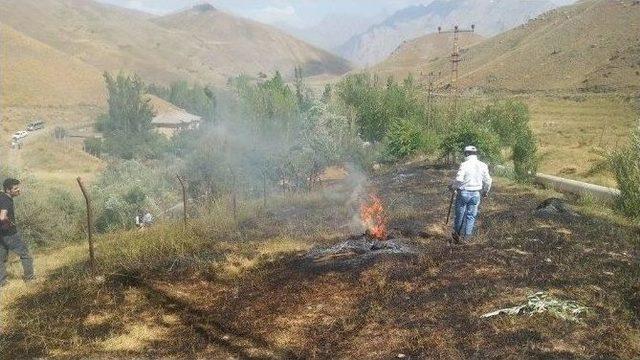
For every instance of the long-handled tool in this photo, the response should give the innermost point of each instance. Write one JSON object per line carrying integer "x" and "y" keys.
{"x": 453, "y": 195}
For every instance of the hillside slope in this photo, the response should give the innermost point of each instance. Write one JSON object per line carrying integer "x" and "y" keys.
{"x": 232, "y": 45}
{"x": 35, "y": 74}
{"x": 413, "y": 56}
{"x": 593, "y": 46}
{"x": 490, "y": 18}
{"x": 113, "y": 39}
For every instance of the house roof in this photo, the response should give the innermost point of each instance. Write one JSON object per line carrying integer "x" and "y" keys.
{"x": 175, "y": 118}
{"x": 169, "y": 114}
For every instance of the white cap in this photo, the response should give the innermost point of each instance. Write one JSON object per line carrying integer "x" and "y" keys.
{"x": 470, "y": 149}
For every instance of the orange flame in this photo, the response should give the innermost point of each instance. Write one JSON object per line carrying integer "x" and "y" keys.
{"x": 373, "y": 218}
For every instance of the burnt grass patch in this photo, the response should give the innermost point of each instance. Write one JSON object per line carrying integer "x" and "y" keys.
{"x": 424, "y": 304}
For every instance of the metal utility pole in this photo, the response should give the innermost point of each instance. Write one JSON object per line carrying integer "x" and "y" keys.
{"x": 455, "y": 60}
{"x": 430, "y": 80}
{"x": 455, "y": 53}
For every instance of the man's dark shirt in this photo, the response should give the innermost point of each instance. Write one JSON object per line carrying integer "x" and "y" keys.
{"x": 6, "y": 203}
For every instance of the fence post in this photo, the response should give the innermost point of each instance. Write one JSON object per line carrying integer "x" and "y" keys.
{"x": 264, "y": 189}
{"x": 87, "y": 200}
{"x": 184, "y": 200}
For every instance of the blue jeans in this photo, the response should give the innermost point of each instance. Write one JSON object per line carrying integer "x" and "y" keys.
{"x": 467, "y": 203}
{"x": 16, "y": 244}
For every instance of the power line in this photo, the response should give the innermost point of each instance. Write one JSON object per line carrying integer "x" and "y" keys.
{"x": 455, "y": 60}
{"x": 455, "y": 53}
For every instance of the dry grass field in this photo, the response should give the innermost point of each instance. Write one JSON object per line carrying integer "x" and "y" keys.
{"x": 248, "y": 289}
{"x": 575, "y": 133}
{"x": 59, "y": 162}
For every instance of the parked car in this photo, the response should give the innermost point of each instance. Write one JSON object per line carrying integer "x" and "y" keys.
{"x": 36, "y": 125}
{"x": 19, "y": 135}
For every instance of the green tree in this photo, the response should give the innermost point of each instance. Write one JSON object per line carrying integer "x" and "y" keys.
{"x": 195, "y": 99}
{"x": 129, "y": 112}
{"x": 127, "y": 127}
{"x": 510, "y": 121}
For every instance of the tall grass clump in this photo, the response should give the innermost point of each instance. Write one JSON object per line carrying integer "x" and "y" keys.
{"x": 47, "y": 215}
{"x": 625, "y": 164}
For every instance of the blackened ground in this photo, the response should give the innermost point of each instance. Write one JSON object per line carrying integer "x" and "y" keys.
{"x": 425, "y": 304}
{"x": 428, "y": 304}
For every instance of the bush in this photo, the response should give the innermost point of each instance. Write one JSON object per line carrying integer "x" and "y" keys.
{"x": 93, "y": 146}
{"x": 125, "y": 187}
{"x": 525, "y": 161}
{"x": 625, "y": 164}
{"x": 403, "y": 139}
{"x": 469, "y": 133}
{"x": 510, "y": 121}
{"x": 376, "y": 103}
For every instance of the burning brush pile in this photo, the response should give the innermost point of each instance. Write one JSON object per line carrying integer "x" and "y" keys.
{"x": 375, "y": 240}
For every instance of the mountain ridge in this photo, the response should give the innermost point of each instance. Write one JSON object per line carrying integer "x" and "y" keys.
{"x": 111, "y": 38}
{"x": 569, "y": 48}
{"x": 490, "y": 17}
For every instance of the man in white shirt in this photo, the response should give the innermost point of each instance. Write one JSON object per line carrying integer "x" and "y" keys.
{"x": 472, "y": 181}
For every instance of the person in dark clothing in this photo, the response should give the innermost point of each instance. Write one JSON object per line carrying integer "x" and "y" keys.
{"x": 10, "y": 237}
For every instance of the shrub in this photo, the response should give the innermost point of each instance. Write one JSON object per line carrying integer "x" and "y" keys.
{"x": 469, "y": 133}
{"x": 376, "y": 104}
{"x": 625, "y": 164}
{"x": 510, "y": 121}
{"x": 403, "y": 139}
{"x": 93, "y": 146}
{"x": 525, "y": 161}
{"x": 125, "y": 187}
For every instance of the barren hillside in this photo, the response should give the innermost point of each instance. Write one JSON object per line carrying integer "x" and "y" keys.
{"x": 490, "y": 17}
{"x": 201, "y": 44}
{"x": 415, "y": 55}
{"x": 232, "y": 45}
{"x": 35, "y": 74}
{"x": 593, "y": 45}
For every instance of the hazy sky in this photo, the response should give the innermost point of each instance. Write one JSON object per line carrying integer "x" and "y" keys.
{"x": 300, "y": 13}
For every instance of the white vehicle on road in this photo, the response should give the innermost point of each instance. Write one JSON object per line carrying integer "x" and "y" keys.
{"x": 19, "y": 135}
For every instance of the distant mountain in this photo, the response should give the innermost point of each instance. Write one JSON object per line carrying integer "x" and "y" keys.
{"x": 233, "y": 45}
{"x": 200, "y": 44}
{"x": 569, "y": 48}
{"x": 489, "y": 16}
{"x": 333, "y": 31}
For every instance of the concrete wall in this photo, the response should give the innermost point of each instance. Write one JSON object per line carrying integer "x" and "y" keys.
{"x": 597, "y": 192}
